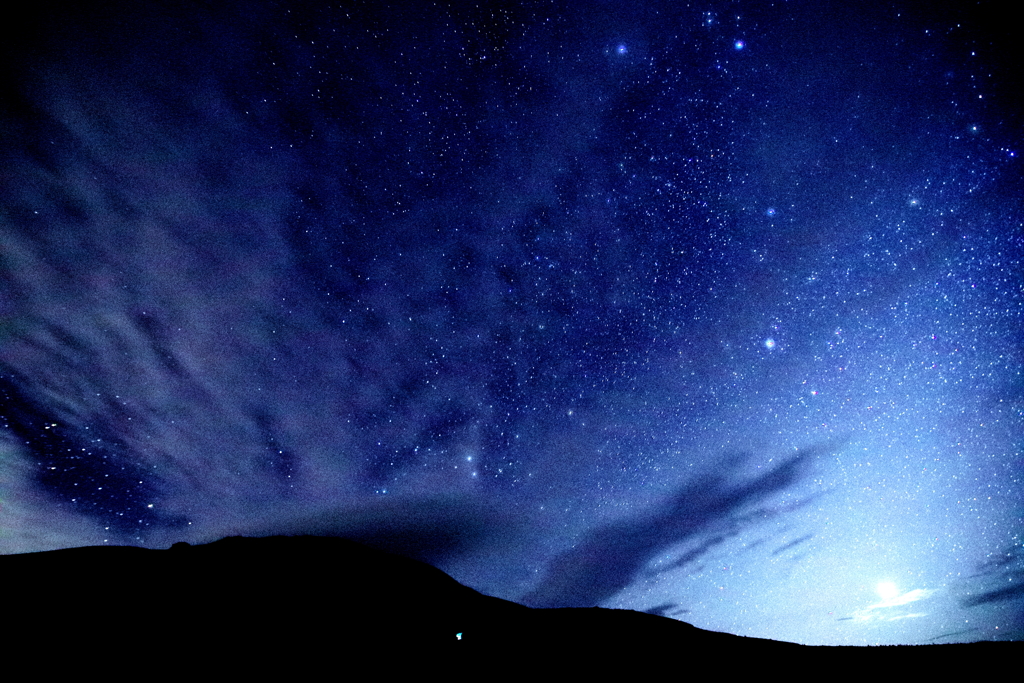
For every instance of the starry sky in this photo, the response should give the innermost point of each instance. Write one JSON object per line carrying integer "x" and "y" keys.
{"x": 712, "y": 309}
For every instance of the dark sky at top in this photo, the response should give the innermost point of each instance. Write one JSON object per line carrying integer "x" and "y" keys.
{"x": 708, "y": 309}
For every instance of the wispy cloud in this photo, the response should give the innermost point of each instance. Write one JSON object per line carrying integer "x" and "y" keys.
{"x": 885, "y": 610}
{"x": 611, "y": 557}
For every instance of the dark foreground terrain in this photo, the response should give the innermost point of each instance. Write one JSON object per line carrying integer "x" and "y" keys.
{"x": 296, "y": 605}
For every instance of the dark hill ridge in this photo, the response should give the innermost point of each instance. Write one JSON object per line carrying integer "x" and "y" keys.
{"x": 285, "y": 605}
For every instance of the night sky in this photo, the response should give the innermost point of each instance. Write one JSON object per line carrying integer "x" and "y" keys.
{"x": 708, "y": 309}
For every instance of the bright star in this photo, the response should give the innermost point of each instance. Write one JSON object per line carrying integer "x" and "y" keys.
{"x": 887, "y": 590}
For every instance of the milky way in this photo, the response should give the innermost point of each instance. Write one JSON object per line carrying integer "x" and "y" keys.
{"x": 712, "y": 310}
